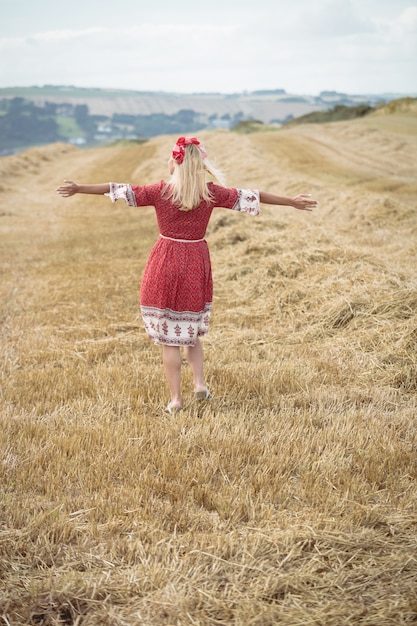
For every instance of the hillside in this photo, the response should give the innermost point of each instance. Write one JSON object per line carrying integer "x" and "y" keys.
{"x": 33, "y": 116}
{"x": 342, "y": 112}
{"x": 264, "y": 106}
{"x": 87, "y": 117}
{"x": 291, "y": 497}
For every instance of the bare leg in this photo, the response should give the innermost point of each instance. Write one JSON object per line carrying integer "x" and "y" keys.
{"x": 171, "y": 358}
{"x": 195, "y": 357}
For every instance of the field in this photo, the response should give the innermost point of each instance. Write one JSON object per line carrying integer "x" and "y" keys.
{"x": 291, "y": 497}
{"x": 265, "y": 107}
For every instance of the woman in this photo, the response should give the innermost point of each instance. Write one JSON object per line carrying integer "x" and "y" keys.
{"x": 177, "y": 289}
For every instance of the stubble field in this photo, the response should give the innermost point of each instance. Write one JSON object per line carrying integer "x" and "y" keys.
{"x": 291, "y": 497}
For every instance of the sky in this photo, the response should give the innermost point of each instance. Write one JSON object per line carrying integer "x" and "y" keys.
{"x": 226, "y": 46}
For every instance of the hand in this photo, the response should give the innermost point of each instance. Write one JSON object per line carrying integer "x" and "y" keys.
{"x": 67, "y": 190}
{"x": 304, "y": 202}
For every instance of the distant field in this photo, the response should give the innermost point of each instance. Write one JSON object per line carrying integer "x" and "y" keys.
{"x": 68, "y": 126}
{"x": 31, "y": 92}
{"x": 290, "y": 498}
{"x": 107, "y": 102}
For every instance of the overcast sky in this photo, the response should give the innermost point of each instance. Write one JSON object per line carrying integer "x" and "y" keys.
{"x": 302, "y": 46}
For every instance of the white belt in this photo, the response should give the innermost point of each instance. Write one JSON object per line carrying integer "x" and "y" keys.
{"x": 182, "y": 240}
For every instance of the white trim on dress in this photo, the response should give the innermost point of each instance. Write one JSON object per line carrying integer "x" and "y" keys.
{"x": 175, "y": 328}
{"x": 248, "y": 201}
{"x": 121, "y": 191}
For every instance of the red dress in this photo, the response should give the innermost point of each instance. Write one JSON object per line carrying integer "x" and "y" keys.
{"x": 177, "y": 288}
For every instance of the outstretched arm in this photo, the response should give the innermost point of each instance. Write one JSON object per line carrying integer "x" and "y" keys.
{"x": 302, "y": 201}
{"x": 71, "y": 188}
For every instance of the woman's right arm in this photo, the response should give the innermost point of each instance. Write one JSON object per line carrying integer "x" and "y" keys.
{"x": 71, "y": 188}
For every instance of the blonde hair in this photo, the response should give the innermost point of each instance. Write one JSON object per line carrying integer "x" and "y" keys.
{"x": 188, "y": 185}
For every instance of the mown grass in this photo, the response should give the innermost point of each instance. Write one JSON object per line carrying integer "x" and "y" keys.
{"x": 290, "y": 498}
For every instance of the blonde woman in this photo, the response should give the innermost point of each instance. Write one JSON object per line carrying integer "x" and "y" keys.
{"x": 177, "y": 289}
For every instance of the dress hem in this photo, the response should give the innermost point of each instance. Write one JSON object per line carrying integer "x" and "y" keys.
{"x": 176, "y": 328}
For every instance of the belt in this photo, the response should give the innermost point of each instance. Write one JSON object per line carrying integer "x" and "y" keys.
{"x": 182, "y": 240}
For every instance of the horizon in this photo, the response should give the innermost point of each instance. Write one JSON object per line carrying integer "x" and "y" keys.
{"x": 261, "y": 91}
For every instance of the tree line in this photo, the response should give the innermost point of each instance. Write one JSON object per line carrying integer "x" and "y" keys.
{"x": 24, "y": 124}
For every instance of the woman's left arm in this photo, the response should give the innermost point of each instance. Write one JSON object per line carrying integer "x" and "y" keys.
{"x": 303, "y": 202}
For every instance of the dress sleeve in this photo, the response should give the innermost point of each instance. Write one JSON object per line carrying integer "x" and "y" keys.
{"x": 121, "y": 191}
{"x": 148, "y": 195}
{"x": 245, "y": 200}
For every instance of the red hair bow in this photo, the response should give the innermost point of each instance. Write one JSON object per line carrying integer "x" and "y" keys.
{"x": 178, "y": 151}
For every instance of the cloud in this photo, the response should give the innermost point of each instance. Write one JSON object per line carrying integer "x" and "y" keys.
{"x": 301, "y": 47}
{"x": 314, "y": 20}
{"x": 333, "y": 18}
{"x": 408, "y": 20}
{"x": 48, "y": 37}
{"x": 145, "y": 52}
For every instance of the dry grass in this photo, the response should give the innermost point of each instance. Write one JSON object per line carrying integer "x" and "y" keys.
{"x": 289, "y": 499}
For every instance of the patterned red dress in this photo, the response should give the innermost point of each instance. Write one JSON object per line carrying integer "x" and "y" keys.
{"x": 177, "y": 289}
